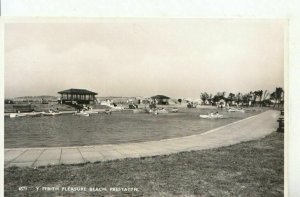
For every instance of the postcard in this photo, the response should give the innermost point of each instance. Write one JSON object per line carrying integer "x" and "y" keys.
{"x": 144, "y": 107}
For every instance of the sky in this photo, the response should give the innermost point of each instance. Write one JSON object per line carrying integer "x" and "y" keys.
{"x": 143, "y": 57}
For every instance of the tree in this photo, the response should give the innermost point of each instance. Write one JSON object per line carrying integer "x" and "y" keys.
{"x": 246, "y": 98}
{"x": 264, "y": 97}
{"x": 239, "y": 97}
{"x": 204, "y": 96}
{"x": 231, "y": 96}
{"x": 219, "y": 96}
{"x": 277, "y": 96}
{"x": 146, "y": 102}
{"x": 179, "y": 100}
{"x": 260, "y": 94}
{"x": 210, "y": 98}
{"x": 255, "y": 94}
{"x": 252, "y": 95}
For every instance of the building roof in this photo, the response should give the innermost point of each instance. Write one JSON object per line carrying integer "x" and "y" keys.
{"x": 77, "y": 91}
{"x": 160, "y": 97}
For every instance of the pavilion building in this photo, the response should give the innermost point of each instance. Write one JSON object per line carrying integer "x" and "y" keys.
{"x": 80, "y": 96}
{"x": 161, "y": 99}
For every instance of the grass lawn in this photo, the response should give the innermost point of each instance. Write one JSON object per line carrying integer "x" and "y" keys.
{"x": 252, "y": 168}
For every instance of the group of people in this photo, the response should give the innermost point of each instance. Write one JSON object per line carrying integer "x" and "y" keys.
{"x": 213, "y": 114}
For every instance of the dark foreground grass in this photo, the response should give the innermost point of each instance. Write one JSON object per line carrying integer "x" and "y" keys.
{"x": 247, "y": 169}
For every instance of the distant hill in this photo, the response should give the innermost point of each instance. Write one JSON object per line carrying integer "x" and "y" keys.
{"x": 33, "y": 98}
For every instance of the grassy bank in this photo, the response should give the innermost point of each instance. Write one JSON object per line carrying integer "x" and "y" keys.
{"x": 247, "y": 169}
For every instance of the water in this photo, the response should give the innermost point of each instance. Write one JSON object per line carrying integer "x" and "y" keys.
{"x": 120, "y": 127}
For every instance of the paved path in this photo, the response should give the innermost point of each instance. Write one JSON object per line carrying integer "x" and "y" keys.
{"x": 243, "y": 130}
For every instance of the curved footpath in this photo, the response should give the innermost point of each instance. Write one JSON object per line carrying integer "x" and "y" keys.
{"x": 247, "y": 129}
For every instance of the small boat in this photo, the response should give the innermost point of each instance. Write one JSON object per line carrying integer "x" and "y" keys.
{"x": 117, "y": 108}
{"x": 88, "y": 110}
{"x": 174, "y": 110}
{"x": 82, "y": 113}
{"x": 91, "y": 112}
{"x": 17, "y": 115}
{"x": 162, "y": 111}
{"x": 12, "y": 115}
{"x": 148, "y": 111}
{"x": 212, "y": 116}
{"x": 35, "y": 114}
{"x": 51, "y": 113}
{"x": 236, "y": 110}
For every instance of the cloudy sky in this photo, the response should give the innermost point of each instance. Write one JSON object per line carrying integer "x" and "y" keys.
{"x": 175, "y": 57}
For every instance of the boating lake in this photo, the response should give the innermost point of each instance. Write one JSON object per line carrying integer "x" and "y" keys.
{"x": 120, "y": 127}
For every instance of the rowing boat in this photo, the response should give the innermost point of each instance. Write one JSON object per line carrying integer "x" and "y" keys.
{"x": 236, "y": 110}
{"x": 51, "y": 113}
{"x": 212, "y": 116}
{"x": 82, "y": 113}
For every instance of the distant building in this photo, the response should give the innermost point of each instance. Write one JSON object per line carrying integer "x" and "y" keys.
{"x": 80, "y": 96}
{"x": 221, "y": 103}
{"x": 8, "y": 101}
{"x": 161, "y": 99}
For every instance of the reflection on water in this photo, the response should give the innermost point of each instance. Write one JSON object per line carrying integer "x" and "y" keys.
{"x": 120, "y": 127}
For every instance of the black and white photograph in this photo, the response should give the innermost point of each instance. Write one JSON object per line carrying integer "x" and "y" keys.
{"x": 144, "y": 107}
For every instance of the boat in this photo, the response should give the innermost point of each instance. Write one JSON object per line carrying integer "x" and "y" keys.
{"x": 236, "y": 110}
{"x": 17, "y": 115}
{"x": 174, "y": 110}
{"x": 88, "y": 110}
{"x": 34, "y": 114}
{"x": 113, "y": 106}
{"x": 12, "y": 115}
{"x": 91, "y": 112}
{"x": 51, "y": 113}
{"x": 162, "y": 111}
{"x": 82, "y": 113}
{"x": 212, "y": 116}
{"x": 149, "y": 111}
{"x": 31, "y": 114}
{"x": 117, "y": 108}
